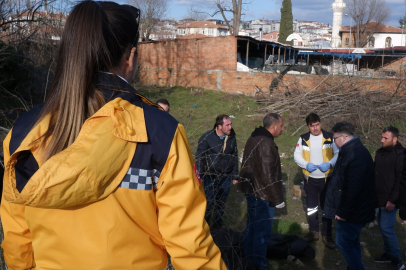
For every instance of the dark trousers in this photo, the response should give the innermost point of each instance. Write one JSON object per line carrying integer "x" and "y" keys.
{"x": 386, "y": 221}
{"x": 315, "y": 188}
{"x": 347, "y": 240}
{"x": 258, "y": 230}
{"x": 216, "y": 190}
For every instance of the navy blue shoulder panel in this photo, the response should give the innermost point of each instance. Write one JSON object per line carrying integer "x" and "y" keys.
{"x": 26, "y": 164}
{"x": 161, "y": 128}
{"x": 327, "y": 135}
{"x": 305, "y": 136}
{"x": 23, "y": 126}
{"x": 160, "y": 125}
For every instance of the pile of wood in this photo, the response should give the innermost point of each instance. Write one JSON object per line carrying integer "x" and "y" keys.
{"x": 369, "y": 111}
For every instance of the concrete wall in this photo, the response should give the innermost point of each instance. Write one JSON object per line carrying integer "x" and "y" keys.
{"x": 211, "y": 63}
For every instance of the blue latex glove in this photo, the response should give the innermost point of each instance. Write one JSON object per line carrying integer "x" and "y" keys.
{"x": 311, "y": 167}
{"x": 324, "y": 166}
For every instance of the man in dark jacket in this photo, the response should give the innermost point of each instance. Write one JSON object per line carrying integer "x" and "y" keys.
{"x": 350, "y": 197}
{"x": 388, "y": 175}
{"x": 217, "y": 163}
{"x": 261, "y": 181}
{"x": 402, "y": 192}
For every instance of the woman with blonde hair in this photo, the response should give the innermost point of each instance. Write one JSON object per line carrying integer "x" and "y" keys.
{"x": 98, "y": 177}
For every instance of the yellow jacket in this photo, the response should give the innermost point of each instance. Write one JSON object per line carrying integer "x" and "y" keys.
{"x": 82, "y": 208}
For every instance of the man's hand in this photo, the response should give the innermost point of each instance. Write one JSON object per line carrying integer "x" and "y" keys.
{"x": 235, "y": 182}
{"x": 324, "y": 166}
{"x": 389, "y": 207}
{"x": 311, "y": 167}
{"x": 338, "y": 218}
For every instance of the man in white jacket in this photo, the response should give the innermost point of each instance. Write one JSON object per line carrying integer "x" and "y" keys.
{"x": 316, "y": 153}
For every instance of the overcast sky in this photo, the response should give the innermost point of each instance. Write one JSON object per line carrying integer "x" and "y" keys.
{"x": 309, "y": 10}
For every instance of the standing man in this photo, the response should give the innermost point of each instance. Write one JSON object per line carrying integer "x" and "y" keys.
{"x": 261, "y": 181}
{"x": 217, "y": 163}
{"x": 350, "y": 196}
{"x": 316, "y": 154}
{"x": 388, "y": 176}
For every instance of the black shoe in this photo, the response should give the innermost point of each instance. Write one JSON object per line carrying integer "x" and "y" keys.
{"x": 396, "y": 265}
{"x": 384, "y": 258}
{"x": 328, "y": 241}
{"x": 311, "y": 237}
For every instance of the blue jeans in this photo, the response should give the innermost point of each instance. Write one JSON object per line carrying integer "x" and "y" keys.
{"x": 386, "y": 221}
{"x": 347, "y": 240}
{"x": 258, "y": 230}
{"x": 216, "y": 190}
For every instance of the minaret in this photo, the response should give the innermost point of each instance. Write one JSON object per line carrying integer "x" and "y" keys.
{"x": 338, "y": 7}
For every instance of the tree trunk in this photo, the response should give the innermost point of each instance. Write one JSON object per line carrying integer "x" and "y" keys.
{"x": 237, "y": 16}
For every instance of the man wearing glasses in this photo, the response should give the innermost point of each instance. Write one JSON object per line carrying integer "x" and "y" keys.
{"x": 350, "y": 196}
{"x": 316, "y": 154}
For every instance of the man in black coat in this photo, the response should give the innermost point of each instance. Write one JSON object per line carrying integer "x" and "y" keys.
{"x": 402, "y": 192}
{"x": 217, "y": 163}
{"x": 350, "y": 197}
{"x": 388, "y": 175}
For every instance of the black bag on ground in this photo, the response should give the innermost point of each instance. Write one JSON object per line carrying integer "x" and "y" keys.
{"x": 280, "y": 246}
{"x": 230, "y": 244}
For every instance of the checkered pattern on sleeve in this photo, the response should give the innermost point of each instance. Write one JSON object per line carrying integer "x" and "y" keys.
{"x": 140, "y": 179}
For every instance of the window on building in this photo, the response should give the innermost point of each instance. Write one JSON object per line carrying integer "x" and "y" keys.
{"x": 371, "y": 42}
{"x": 203, "y": 31}
{"x": 347, "y": 41}
{"x": 388, "y": 42}
{"x": 210, "y": 31}
{"x": 271, "y": 36}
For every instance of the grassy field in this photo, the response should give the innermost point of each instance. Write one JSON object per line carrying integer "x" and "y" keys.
{"x": 197, "y": 110}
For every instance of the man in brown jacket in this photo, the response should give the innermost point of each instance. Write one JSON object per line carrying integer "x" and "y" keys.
{"x": 261, "y": 181}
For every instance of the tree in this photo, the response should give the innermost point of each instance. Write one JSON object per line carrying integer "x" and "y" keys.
{"x": 192, "y": 15}
{"x": 29, "y": 33}
{"x": 151, "y": 12}
{"x": 228, "y": 6}
{"x": 367, "y": 15}
{"x": 286, "y": 24}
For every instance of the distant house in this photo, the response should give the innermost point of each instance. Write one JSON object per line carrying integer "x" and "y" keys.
{"x": 377, "y": 35}
{"x": 261, "y": 24}
{"x": 273, "y": 36}
{"x": 163, "y": 30}
{"x": 207, "y": 28}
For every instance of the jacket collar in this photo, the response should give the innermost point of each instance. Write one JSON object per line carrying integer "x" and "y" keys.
{"x": 113, "y": 86}
{"x": 397, "y": 147}
{"x": 261, "y": 131}
{"x": 232, "y": 133}
{"x": 346, "y": 147}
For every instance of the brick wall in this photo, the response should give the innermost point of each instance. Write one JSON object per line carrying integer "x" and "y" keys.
{"x": 219, "y": 53}
{"x": 211, "y": 63}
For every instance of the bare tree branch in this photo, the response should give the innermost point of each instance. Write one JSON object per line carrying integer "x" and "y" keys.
{"x": 227, "y": 6}
{"x": 152, "y": 11}
{"x": 368, "y": 15}
{"x": 194, "y": 15}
